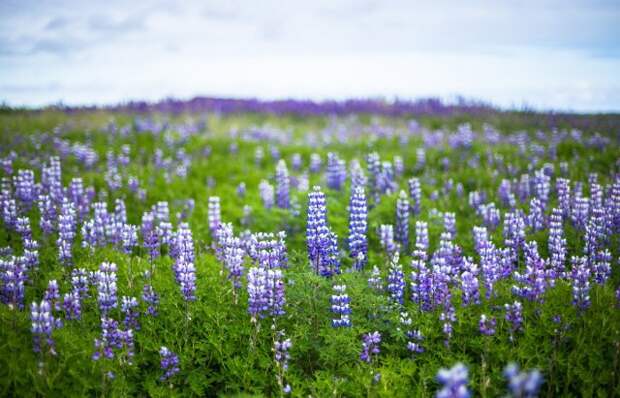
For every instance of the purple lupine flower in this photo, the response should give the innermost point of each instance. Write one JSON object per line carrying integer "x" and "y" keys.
{"x": 602, "y": 267}
{"x": 396, "y": 280}
{"x": 370, "y": 346}
{"x": 322, "y": 243}
{"x": 449, "y": 223}
{"x": 421, "y": 284}
{"x": 129, "y": 237}
{"x": 420, "y": 156}
{"x": 618, "y": 297}
{"x": 276, "y": 299}
{"x": 373, "y": 164}
{"x": 580, "y": 212}
{"x": 421, "y": 241}
{"x": 358, "y": 177}
{"x": 281, "y": 356}
{"x": 340, "y": 307}
{"x": 470, "y": 287}
{"x": 386, "y": 238}
{"x": 454, "y": 382}
{"x": 151, "y": 298}
{"x": 105, "y": 280}
{"x": 402, "y": 221}
{"x": 489, "y": 259}
{"x": 72, "y": 305}
{"x": 514, "y": 316}
{"x": 536, "y": 218}
{"x": 47, "y": 212}
{"x": 523, "y": 384}
{"x": 101, "y": 218}
{"x": 580, "y": 278}
{"x": 78, "y": 197}
{"x": 214, "y": 213}
{"x": 241, "y": 190}
{"x": 613, "y": 206}
{"x": 557, "y": 244}
{"x": 447, "y": 317}
{"x": 595, "y": 236}
{"x": 486, "y": 325}
{"x": 504, "y": 192}
{"x": 150, "y": 237}
{"x": 185, "y": 274}
{"x": 562, "y": 187}
{"x": 534, "y": 280}
{"x": 79, "y": 282}
{"x": 183, "y": 243}
{"x": 112, "y": 338}
{"x": 375, "y": 282}
{"x": 22, "y": 227}
{"x": 257, "y": 292}
{"x": 31, "y": 254}
{"x": 415, "y": 344}
{"x": 51, "y": 180}
{"x": 283, "y": 185}
{"x": 233, "y": 261}
{"x": 66, "y": 231}
{"x": 25, "y": 188}
{"x": 129, "y": 307}
{"x": 267, "y": 193}
{"x": 514, "y": 232}
{"x": 336, "y": 171}
{"x": 296, "y": 161}
{"x": 386, "y": 183}
{"x": 52, "y": 294}
{"x": 358, "y": 228}
{"x": 490, "y": 215}
{"x": 43, "y": 324}
{"x": 315, "y": 163}
{"x": 169, "y": 363}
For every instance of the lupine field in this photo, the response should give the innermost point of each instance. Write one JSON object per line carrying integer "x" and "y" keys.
{"x": 297, "y": 249}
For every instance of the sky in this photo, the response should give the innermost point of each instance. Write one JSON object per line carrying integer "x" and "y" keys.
{"x": 546, "y": 55}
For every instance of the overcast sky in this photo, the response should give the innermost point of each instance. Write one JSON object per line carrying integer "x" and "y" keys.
{"x": 546, "y": 54}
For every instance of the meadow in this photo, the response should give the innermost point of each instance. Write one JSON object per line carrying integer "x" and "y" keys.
{"x": 267, "y": 251}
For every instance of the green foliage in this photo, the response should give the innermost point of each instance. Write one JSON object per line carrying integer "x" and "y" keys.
{"x": 222, "y": 352}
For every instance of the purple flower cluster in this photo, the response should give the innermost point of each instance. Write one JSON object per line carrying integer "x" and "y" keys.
{"x": 454, "y": 382}
{"x": 215, "y": 218}
{"x": 281, "y": 347}
{"x": 386, "y": 238}
{"x": 265, "y": 292}
{"x": 283, "y": 185}
{"x": 340, "y": 307}
{"x": 105, "y": 280}
{"x": 336, "y": 171}
{"x": 67, "y": 221}
{"x": 486, "y": 325}
{"x": 523, "y": 384}
{"x": 396, "y": 280}
{"x": 514, "y": 316}
{"x": 169, "y": 363}
{"x": 43, "y": 324}
{"x": 267, "y": 193}
{"x": 370, "y": 346}
{"x": 402, "y": 221}
{"x": 322, "y": 243}
{"x": 151, "y": 298}
{"x": 358, "y": 228}
{"x": 184, "y": 269}
{"x": 580, "y": 279}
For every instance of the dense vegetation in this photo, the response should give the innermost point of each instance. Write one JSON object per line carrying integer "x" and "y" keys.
{"x": 134, "y": 189}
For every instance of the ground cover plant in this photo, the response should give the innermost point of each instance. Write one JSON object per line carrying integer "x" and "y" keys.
{"x": 249, "y": 249}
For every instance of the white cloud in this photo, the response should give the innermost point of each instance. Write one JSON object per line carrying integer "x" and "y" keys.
{"x": 547, "y": 54}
